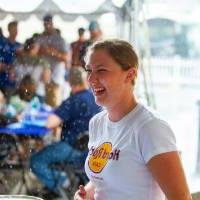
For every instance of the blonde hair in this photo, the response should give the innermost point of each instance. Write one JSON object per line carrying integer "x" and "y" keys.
{"x": 121, "y": 52}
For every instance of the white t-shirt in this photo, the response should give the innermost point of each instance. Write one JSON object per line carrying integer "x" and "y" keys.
{"x": 119, "y": 153}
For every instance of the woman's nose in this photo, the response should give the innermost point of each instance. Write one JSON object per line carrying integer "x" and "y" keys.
{"x": 91, "y": 77}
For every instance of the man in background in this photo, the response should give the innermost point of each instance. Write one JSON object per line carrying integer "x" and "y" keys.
{"x": 57, "y": 52}
{"x": 75, "y": 46}
{"x": 10, "y": 49}
{"x": 95, "y": 34}
{"x": 74, "y": 114}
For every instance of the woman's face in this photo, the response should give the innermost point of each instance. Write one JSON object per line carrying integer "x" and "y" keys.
{"x": 109, "y": 83}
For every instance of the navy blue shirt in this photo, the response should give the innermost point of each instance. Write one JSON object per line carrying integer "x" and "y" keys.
{"x": 76, "y": 112}
{"x": 8, "y": 51}
{"x": 2, "y": 45}
{"x": 7, "y": 56}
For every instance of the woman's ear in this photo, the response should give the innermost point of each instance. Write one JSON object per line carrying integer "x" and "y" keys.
{"x": 132, "y": 74}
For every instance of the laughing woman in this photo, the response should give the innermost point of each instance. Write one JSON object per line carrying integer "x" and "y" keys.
{"x": 132, "y": 151}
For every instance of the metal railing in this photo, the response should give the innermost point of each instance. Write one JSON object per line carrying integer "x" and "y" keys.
{"x": 184, "y": 72}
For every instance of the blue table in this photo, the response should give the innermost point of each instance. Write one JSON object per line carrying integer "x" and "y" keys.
{"x": 25, "y": 130}
{"x": 32, "y": 124}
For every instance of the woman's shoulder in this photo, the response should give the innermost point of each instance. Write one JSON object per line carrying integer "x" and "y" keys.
{"x": 148, "y": 116}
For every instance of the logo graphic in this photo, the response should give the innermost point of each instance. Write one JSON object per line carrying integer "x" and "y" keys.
{"x": 99, "y": 157}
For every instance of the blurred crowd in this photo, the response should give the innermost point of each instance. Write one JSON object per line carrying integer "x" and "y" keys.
{"x": 41, "y": 65}
{"x": 46, "y": 70}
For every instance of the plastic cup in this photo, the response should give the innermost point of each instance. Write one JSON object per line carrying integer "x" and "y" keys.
{"x": 18, "y": 197}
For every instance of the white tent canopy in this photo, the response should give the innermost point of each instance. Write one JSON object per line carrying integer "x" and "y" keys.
{"x": 126, "y": 15}
{"x": 67, "y": 10}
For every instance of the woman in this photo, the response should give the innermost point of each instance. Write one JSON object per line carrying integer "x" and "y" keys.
{"x": 132, "y": 152}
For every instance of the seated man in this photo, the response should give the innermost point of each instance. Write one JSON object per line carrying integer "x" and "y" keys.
{"x": 74, "y": 114}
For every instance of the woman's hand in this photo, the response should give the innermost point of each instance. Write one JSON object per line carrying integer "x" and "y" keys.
{"x": 81, "y": 194}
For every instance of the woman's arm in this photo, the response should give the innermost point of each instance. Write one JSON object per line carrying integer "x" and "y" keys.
{"x": 85, "y": 193}
{"x": 167, "y": 170}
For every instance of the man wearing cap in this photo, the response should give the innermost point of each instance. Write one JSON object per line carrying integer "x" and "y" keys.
{"x": 95, "y": 31}
{"x": 95, "y": 34}
{"x": 74, "y": 114}
{"x": 57, "y": 52}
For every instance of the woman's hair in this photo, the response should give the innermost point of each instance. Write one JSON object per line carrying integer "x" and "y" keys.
{"x": 121, "y": 52}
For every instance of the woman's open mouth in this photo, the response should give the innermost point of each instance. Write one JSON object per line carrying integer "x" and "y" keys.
{"x": 98, "y": 91}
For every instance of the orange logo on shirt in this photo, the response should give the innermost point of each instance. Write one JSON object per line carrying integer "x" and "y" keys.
{"x": 100, "y": 156}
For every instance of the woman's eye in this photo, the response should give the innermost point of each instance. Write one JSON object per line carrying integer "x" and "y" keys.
{"x": 88, "y": 71}
{"x": 101, "y": 70}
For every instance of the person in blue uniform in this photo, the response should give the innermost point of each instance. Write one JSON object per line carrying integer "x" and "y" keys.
{"x": 9, "y": 50}
{"x": 74, "y": 114}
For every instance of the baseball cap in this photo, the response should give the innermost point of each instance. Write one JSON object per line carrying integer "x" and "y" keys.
{"x": 94, "y": 25}
{"x": 47, "y": 18}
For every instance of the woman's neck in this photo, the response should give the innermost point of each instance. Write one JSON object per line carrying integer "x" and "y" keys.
{"x": 119, "y": 111}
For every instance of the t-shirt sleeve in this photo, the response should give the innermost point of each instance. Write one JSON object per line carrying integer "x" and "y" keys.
{"x": 63, "y": 111}
{"x": 156, "y": 137}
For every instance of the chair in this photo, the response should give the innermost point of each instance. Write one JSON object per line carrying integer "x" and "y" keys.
{"x": 10, "y": 165}
{"x": 7, "y": 146}
{"x": 13, "y": 170}
{"x": 77, "y": 177}
{"x": 75, "y": 173}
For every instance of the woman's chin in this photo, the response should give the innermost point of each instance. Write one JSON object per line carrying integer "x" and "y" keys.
{"x": 99, "y": 101}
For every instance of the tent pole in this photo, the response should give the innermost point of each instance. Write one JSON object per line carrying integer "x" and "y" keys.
{"x": 134, "y": 23}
